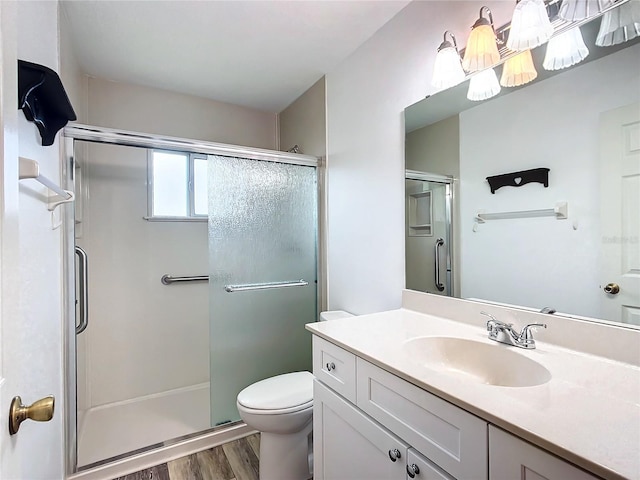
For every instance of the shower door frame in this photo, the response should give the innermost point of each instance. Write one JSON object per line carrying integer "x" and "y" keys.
{"x": 449, "y": 182}
{"x": 94, "y": 134}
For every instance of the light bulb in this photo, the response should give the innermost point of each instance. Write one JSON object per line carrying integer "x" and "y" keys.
{"x": 573, "y": 10}
{"x": 620, "y": 24}
{"x": 530, "y": 26}
{"x": 518, "y": 70}
{"x": 447, "y": 70}
{"x": 483, "y": 86}
{"x": 565, "y": 50}
{"x": 481, "y": 51}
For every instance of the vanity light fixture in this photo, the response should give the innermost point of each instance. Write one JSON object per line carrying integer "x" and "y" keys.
{"x": 482, "y": 50}
{"x": 565, "y": 50}
{"x": 518, "y": 70}
{"x": 620, "y": 24}
{"x": 530, "y": 25}
{"x": 447, "y": 70}
{"x": 574, "y": 10}
{"x": 483, "y": 86}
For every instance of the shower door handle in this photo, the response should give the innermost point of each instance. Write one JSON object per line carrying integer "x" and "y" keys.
{"x": 439, "y": 285}
{"x": 83, "y": 300}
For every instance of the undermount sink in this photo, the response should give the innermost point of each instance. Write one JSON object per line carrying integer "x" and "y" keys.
{"x": 481, "y": 362}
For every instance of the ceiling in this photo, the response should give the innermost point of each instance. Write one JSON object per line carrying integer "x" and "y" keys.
{"x": 258, "y": 54}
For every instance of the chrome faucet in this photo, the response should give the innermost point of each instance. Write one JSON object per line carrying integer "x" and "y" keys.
{"x": 505, "y": 333}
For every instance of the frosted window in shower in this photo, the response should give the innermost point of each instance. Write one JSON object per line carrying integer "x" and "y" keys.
{"x": 170, "y": 181}
{"x": 200, "y": 200}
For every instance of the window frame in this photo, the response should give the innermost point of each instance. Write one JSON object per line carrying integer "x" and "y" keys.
{"x": 191, "y": 216}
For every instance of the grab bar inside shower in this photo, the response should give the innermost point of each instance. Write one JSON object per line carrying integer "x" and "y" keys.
{"x": 264, "y": 286}
{"x": 168, "y": 279}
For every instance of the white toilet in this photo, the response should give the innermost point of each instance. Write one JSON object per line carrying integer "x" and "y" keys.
{"x": 281, "y": 408}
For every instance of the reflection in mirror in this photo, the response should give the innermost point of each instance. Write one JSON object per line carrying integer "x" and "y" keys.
{"x": 583, "y": 123}
{"x": 428, "y": 232}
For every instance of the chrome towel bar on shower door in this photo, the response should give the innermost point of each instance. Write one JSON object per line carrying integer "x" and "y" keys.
{"x": 264, "y": 286}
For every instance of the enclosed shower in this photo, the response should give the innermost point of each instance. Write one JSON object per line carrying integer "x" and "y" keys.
{"x": 196, "y": 270}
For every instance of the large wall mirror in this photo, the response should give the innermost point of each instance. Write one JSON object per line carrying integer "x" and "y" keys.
{"x": 583, "y": 124}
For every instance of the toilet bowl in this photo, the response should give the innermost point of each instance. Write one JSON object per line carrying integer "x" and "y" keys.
{"x": 281, "y": 409}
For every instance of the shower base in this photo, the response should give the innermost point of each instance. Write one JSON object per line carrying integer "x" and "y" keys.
{"x": 118, "y": 428}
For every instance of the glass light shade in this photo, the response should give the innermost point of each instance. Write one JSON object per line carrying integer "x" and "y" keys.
{"x": 620, "y": 24}
{"x": 530, "y": 26}
{"x": 447, "y": 70}
{"x": 481, "y": 51}
{"x": 565, "y": 50}
{"x": 483, "y": 85}
{"x": 573, "y": 10}
{"x": 518, "y": 70}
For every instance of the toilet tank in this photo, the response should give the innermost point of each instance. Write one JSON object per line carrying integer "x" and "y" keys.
{"x": 334, "y": 315}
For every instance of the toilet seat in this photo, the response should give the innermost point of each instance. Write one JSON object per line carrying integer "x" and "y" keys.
{"x": 282, "y": 394}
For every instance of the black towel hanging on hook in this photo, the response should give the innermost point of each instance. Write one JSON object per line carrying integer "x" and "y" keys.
{"x": 43, "y": 100}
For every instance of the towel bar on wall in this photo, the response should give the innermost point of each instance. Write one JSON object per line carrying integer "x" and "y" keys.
{"x": 560, "y": 211}
{"x": 30, "y": 169}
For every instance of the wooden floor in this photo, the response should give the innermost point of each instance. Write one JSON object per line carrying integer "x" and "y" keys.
{"x": 237, "y": 460}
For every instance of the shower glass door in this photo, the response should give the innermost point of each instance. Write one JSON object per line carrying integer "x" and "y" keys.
{"x": 262, "y": 274}
{"x": 428, "y": 233}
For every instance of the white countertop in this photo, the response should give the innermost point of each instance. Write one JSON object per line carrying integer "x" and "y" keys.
{"x": 588, "y": 413}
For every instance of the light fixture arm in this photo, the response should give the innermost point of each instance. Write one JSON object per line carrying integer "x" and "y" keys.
{"x": 482, "y": 20}
{"x": 446, "y": 43}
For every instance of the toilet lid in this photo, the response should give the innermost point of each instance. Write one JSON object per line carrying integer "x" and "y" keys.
{"x": 279, "y": 392}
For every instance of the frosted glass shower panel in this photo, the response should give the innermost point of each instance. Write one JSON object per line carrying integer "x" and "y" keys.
{"x": 262, "y": 229}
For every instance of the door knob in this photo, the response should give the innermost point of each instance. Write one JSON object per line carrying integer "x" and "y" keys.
{"x": 612, "y": 288}
{"x": 40, "y": 411}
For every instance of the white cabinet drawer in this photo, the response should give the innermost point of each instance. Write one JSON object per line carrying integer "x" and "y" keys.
{"x": 335, "y": 367}
{"x": 511, "y": 458}
{"x": 453, "y": 439}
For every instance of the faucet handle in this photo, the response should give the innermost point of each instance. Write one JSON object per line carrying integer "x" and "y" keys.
{"x": 491, "y": 319}
{"x": 526, "y": 334}
{"x": 494, "y": 322}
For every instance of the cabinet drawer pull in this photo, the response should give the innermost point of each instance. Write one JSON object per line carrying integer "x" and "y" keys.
{"x": 331, "y": 366}
{"x": 394, "y": 454}
{"x": 412, "y": 470}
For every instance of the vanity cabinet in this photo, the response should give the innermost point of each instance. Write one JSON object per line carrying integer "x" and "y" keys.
{"x": 511, "y": 458}
{"x": 449, "y": 436}
{"x": 370, "y": 424}
{"x": 353, "y": 446}
{"x": 384, "y": 425}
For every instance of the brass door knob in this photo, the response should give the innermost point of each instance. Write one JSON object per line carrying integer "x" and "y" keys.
{"x": 40, "y": 411}
{"x": 612, "y": 288}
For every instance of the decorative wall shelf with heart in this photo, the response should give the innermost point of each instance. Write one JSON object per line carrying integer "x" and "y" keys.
{"x": 518, "y": 179}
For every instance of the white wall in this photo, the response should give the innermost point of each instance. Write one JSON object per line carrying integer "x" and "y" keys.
{"x": 32, "y": 362}
{"x": 151, "y": 110}
{"x": 303, "y": 123}
{"x": 541, "y": 262}
{"x": 75, "y": 82}
{"x": 366, "y": 96}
